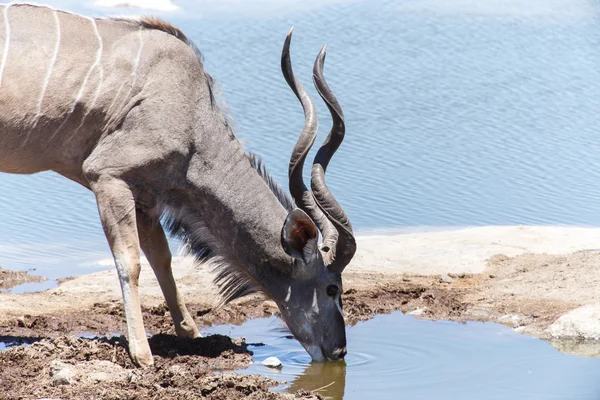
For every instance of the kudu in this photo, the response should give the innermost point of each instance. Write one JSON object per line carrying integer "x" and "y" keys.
{"x": 125, "y": 108}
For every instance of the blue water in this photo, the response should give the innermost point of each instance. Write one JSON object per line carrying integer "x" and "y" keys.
{"x": 459, "y": 113}
{"x": 397, "y": 356}
{"x": 33, "y": 287}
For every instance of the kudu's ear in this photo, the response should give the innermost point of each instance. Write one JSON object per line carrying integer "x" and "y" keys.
{"x": 299, "y": 236}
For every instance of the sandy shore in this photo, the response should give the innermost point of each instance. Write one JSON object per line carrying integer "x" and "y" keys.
{"x": 541, "y": 281}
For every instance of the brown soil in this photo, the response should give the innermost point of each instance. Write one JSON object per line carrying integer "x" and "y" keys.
{"x": 9, "y": 278}
{"x": 75, "y": 368}
{"x": 528, "y": 292}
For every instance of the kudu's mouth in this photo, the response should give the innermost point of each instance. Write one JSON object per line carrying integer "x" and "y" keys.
{"x": 318, "y": 353}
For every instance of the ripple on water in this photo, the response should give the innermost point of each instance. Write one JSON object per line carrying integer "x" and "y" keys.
{"x": 397, "y": 355}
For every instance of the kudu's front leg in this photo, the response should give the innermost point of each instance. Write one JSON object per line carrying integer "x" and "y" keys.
{"x": 116, "y": 205}
{"x": 155, "y": 246}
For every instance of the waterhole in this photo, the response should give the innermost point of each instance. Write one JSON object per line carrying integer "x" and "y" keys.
{"x": 32, "y": 287}
{"x": 397, "y": 356}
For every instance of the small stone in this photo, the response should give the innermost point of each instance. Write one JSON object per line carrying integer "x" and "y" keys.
{"x": 445, "y": 278}
{"x": 272, "y": 362}
{"x": 21, "y": 322}
{"x": 61, "y": 373}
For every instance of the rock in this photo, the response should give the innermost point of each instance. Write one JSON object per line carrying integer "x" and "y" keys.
{"x": 445, "y": 278}
{"x": 97, "y": 371}
{"x": 61, "y": 373}
{"x": 515, "y": 320}
{"x": 89, "y": 372}
{"x": 272, "y": 362}
{"x": 21, "y": 322}
{"x": 418, "y": 312}
{"x": 581, "y": 323}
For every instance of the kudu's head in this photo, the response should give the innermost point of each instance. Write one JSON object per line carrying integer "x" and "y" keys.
{"x": 311, "y": 305}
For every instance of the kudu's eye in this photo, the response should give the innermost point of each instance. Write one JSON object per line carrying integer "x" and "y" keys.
{"x": 332, "y": 290}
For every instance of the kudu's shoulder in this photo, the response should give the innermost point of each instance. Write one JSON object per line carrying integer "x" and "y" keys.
{"x": 149, "y": 23}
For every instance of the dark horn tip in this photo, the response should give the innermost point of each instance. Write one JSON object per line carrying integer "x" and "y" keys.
{"x": 286, "y": 44}
{"x": 318, "y": 67}
{"x": 286, "y": 62}
{"x": 321, "y": 58}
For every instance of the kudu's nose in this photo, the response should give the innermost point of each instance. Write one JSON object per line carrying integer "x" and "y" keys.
{"x": 339, "y": 353}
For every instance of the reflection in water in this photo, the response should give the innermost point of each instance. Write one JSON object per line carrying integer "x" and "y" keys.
{"x": 328, "y": 377}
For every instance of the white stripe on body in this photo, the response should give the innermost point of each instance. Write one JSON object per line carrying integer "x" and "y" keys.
{"x": 100, "y": 72}
{"x": 49, "y": 73}
{"x": 85, "y": 80}
{"x": 6, "y": 42}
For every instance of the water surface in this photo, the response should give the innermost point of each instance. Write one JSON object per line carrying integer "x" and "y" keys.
{"x": 459, "y": 113}
{"x": 397, "y": 356}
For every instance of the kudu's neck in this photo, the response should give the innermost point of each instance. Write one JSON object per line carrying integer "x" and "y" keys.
{"x": 237, "y": 215}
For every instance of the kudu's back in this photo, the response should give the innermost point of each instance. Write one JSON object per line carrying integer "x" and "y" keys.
{"x": 66, "y": 80}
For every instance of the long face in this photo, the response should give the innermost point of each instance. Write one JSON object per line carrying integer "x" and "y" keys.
{"x": 312, "y": 309}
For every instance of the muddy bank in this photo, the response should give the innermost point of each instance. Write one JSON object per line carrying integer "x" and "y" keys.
{"x": 9, "y": 278}
{"x": 87, "y": 369}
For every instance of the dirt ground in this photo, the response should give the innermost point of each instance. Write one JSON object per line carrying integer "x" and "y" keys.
{"x": 528, "y": 292}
